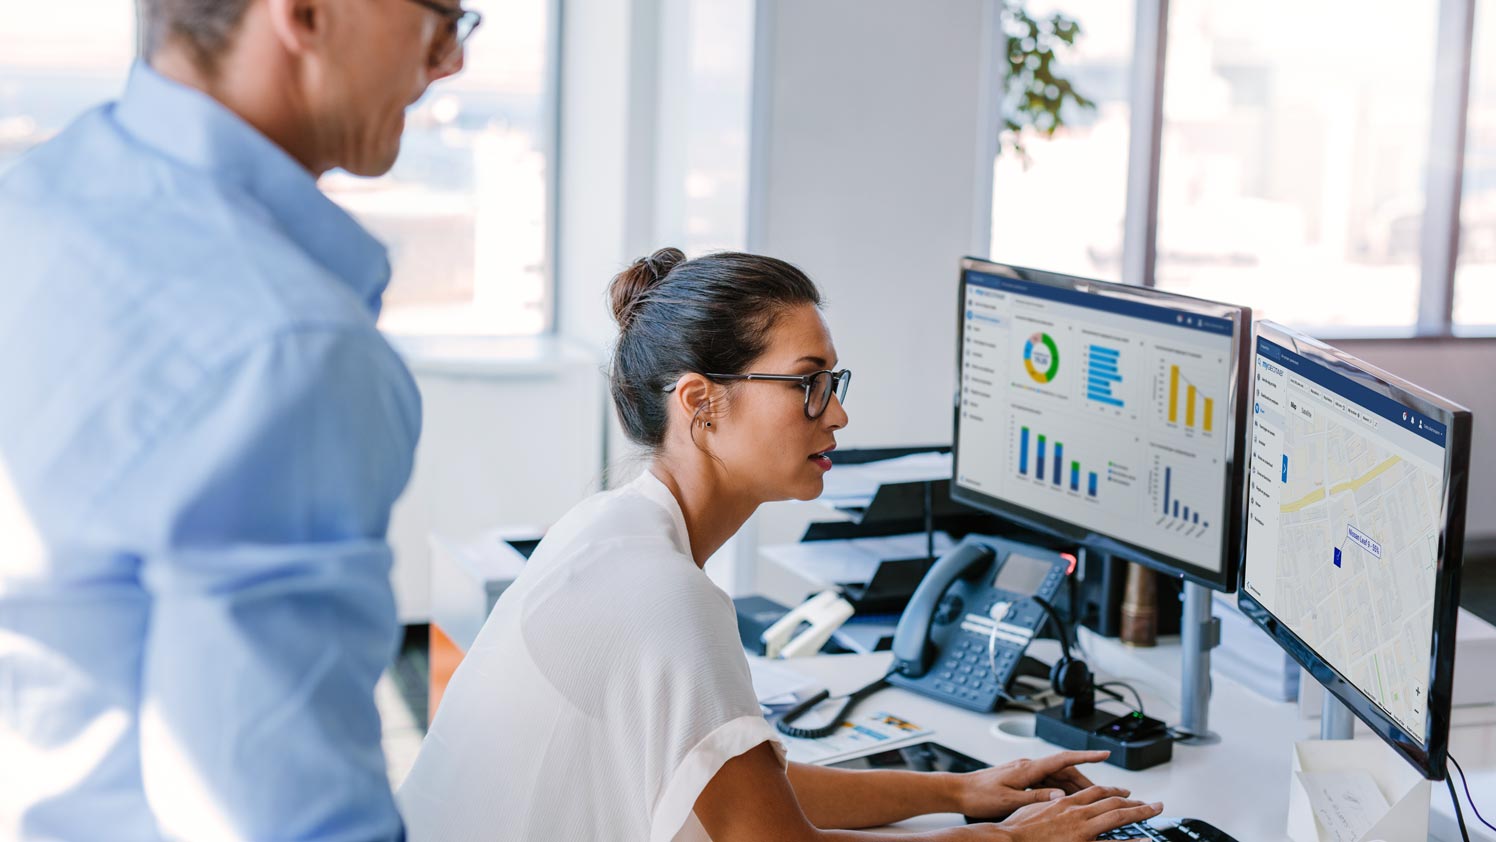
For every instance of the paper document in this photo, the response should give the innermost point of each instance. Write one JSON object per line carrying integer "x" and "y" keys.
{"x": 853, "y": 486}
{"x": 776, "y": 684}
{"x": 852, "y": 559}
{"x": 1346, "y": 804}
{"x": 858, "y": 735}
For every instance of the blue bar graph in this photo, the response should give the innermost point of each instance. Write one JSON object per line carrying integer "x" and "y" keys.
{"x": 1172, "y": 507}
{"x": 1102, "y": 374}
{"x": 1052, "y": 473}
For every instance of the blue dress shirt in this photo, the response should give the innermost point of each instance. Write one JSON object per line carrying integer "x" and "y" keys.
{"x": 201, "y": 437}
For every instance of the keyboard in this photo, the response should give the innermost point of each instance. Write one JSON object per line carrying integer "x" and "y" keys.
{"x": 1169, "y": 829}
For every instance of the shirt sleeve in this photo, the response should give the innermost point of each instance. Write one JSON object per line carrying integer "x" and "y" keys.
{"x": 272, "y": 613}
{"x": 651, "y": 649}
{"x": 707, "y": 711}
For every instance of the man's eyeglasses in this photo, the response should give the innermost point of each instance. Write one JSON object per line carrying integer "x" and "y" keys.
{"x": 819, "y": 386}
{"x": 460, "y": 24}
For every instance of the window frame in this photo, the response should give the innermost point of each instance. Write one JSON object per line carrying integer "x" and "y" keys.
{"x": 1444, "y": 171}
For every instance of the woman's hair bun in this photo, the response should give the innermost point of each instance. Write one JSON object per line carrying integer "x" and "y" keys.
{"x": 632, "y": 285}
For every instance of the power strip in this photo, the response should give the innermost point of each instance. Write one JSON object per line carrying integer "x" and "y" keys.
{"x": 1135, "y": 741}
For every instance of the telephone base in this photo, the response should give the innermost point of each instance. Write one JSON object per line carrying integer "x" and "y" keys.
{"x": 1135, "y": 741}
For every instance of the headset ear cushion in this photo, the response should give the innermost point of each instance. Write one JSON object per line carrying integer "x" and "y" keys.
{"x": 1070, "y": 677}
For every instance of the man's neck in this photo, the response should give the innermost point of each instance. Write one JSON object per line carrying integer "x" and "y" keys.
{"x": 267, "y": 102}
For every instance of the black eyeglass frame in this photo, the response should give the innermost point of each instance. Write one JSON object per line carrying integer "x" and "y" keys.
{"x": 840, "y": 382}
{"x": 455, "y": 18}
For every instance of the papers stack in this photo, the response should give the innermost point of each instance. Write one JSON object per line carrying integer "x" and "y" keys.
{"x": 853, "y": 486}
{"x": 864, "y": 733}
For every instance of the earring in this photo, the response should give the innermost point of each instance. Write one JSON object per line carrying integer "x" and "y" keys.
{"x": 708, "y": 423}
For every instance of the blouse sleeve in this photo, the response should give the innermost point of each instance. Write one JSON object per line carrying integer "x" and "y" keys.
{"x": 667, "y": 670}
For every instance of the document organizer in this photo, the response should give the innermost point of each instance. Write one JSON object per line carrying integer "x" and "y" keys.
{"x": 1407, "y": 792}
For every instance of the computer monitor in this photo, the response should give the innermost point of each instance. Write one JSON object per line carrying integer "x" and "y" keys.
{"x": 1107, "y": 414}
{"x": 1355, "y": 529}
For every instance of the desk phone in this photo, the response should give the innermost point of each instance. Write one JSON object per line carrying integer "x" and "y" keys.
{"x": 962, "y": 638}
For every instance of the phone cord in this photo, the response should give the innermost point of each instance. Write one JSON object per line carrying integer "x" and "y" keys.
{"x": 826, "y": 730}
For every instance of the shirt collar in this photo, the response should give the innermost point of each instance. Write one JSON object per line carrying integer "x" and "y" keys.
{"x": 197, "y": 131}
{"x": 651, "y": 487}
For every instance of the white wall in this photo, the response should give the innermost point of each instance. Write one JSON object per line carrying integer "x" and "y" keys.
{"x": 512, "y": 434}
{"x": 871, "y": 169}
{"x": 1463, "y": 370}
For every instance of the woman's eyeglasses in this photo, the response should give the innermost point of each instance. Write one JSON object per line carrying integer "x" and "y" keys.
{"x": 460, "y": 24}
{"x": 819, "y": 386}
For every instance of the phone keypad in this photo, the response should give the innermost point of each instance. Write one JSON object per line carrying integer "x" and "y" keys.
{"x": 965, "y": 673}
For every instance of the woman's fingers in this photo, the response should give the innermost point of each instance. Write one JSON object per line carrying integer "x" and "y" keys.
{"x": 1092, "y": 794}
{"x": 1043, "y": 767}
{"x": 1113, "y": 819}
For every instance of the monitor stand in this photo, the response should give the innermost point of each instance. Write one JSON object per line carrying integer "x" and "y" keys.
{"x": 1199, "y": 632}
{"x": 1335, "y": 719}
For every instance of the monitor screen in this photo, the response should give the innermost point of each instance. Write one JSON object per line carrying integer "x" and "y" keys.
{"x": 1347, "y": 516}
{"x": 1104, "y": 413}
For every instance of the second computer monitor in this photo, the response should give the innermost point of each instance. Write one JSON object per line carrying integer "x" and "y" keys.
{"x": 1104, "y": 413}
{"x": 1354, "y": 537}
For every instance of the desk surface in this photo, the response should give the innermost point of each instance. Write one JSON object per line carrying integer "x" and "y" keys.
{"x": 1240, "y": 784}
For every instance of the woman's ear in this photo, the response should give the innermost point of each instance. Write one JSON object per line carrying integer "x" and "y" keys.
{"x": 692, "y": 400}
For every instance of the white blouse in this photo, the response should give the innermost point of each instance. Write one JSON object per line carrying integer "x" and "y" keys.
{"x": 605, "y": 690}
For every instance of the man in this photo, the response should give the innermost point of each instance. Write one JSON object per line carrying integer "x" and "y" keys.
{"x": 202, "y": 433}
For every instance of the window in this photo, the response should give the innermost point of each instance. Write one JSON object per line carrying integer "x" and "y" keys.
{"x": 54, "y": 65}
{"x": 1475, "y": 279}
{"x": 716, "y": 98}
{"x": 1292, "y": 173}
{"x": 1062, "y": 209}
{"x": 464, "y": 212}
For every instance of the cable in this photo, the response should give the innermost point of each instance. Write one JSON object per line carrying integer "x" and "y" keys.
{"x": 1135, "y": 694}
{"x": 1466, "y": 784}
{"x": 827, "y": 729}
{"x": 1455, "y": 799}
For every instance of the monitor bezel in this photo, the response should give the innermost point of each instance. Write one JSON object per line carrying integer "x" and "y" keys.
{"x": 1224, "y": 576}
{"x": 1429, "y": 755}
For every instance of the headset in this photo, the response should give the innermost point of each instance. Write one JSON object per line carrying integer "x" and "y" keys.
{"x": 1070, "y": 677}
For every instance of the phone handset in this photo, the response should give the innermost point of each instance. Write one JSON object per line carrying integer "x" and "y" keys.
{"x": 911, "y": 648}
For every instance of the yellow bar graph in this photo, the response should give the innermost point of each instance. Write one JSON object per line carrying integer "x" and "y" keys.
{"x": 1174, "y": 394}
{"x": 1189, "y": 407}
{"x": 1209, "y": 407}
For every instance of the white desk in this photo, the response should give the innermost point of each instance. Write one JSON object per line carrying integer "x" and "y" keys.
{"x": 1240, "y": 784}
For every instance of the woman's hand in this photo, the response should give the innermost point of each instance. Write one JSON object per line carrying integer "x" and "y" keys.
{"x": 996, "y": 792}
{"x": 1082, "y": 816}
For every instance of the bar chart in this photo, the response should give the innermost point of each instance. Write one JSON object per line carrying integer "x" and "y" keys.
{"x": 1041, "y": 458}
{"x": 1181, "y": 403}
{"x": 1176, "y": 504}
{"x": 1104, "y": 376}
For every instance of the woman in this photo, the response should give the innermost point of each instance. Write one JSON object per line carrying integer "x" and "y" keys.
{"x": 608, "y": 696}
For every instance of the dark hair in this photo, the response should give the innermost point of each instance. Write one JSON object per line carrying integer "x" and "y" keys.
{"x": 712, "y": 314}
{"x": 204, "y": 27}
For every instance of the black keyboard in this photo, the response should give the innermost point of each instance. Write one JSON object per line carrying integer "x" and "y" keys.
{"x": 1169, "y": 829}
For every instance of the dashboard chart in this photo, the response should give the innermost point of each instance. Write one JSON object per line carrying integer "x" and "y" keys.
{"x": 1112, "y": 420}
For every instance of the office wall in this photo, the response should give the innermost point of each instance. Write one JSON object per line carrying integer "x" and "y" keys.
{"x": 871, "y": 168}
{"x": 511, "y": 436}
{"x": 1463, "y": 370}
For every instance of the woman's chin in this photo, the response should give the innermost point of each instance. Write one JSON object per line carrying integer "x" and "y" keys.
{"x": 809, "y": 490}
